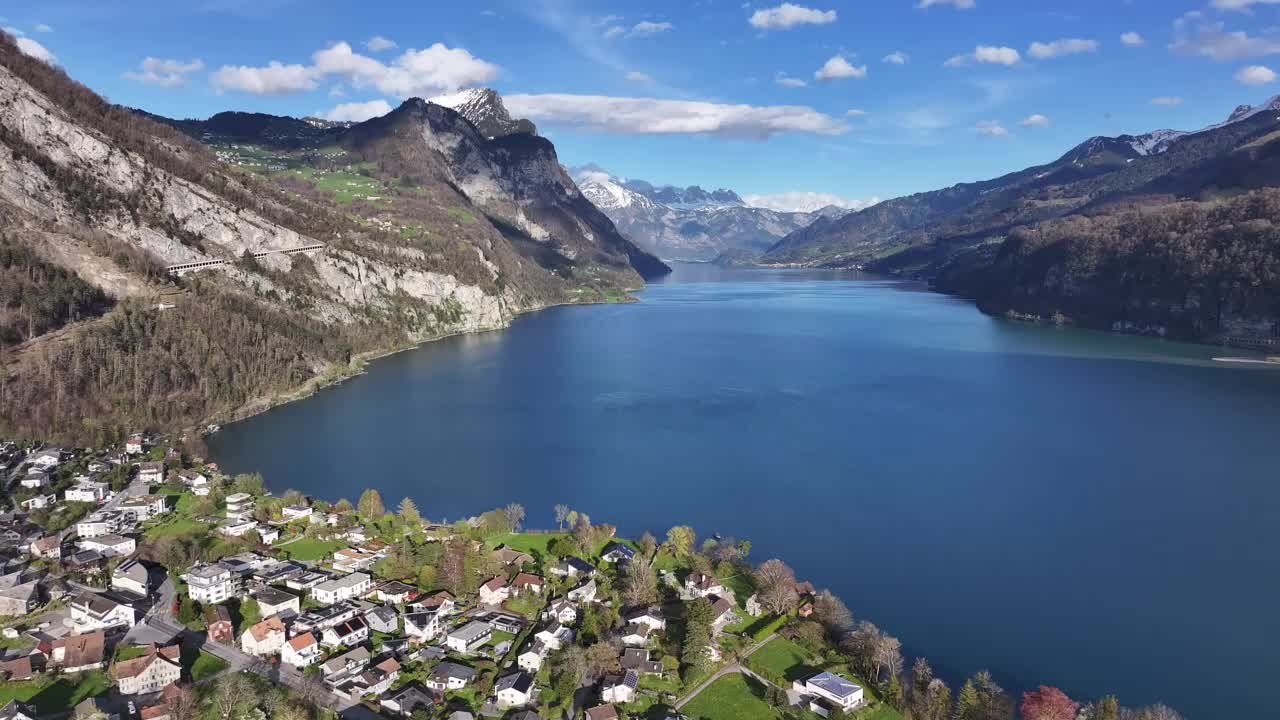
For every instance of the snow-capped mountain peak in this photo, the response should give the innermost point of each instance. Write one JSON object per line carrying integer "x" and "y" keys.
{"x": 608, "y": 195}
{"x": 484, "y": 108}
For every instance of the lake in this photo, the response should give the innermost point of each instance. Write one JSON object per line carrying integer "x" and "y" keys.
{"x": 1061, "y": 506}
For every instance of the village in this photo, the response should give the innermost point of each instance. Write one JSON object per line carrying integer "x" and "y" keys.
{"x": 135, "y": 581}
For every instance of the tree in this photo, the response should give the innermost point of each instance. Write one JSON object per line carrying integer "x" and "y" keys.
{"x": 342, "y": 506}
{"x": 648, "y": 544}
{"x": 562, "y": 514}
{"x": 1107, "y": 708}
{"x": 776, "y": 583}
{"x": 293, "y": 497}
{"x": 231, "y": 694}
{"x": 249, "y": 483}
{"x": 571, "y": 518}
{"x": 561, "y": 547}
{"x": 832, "y": 613}
{"x": 183, "y": 704}
{"x": 680, "y": 540}
{"x": 1048, "y": 703}
{"x": 409, "y": 513}
{"x": 451, "y": 574}
{"x": 370, "y": 505}
{"x": 640, "y": 584}
{"x": 515, "y": 515}
{"x": 697, "y": 636}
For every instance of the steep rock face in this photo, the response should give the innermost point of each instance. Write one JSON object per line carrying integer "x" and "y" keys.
{"x": 484, "y": 108}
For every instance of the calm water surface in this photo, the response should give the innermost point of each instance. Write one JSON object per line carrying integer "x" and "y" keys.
{"x": 1092, "y": 511}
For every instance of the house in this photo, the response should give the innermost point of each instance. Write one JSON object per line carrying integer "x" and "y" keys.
{"x": 34, "y": 479}
{"x": 264, "y": 638}
{"x": 514, "y": 689}
{"x": 196, "y": 480}
{"x": 45, "y": 460}
{"x": 131, "y": 576}
{"x": 151, "y": 473}
{"x": 90, "y": 611}
{"x": 277, "y": 572}
{"x": 274, "y": 601}
{"x": 721, "y": 613}
{"x": 209, "y": 584}
{"x": 422, "y": 626}
{"x": 323, "y": 618}
{"x": 555, "y": 636}
{"x": 383, "y": 619}
{"x": 47, "y": 547}
{"x": 342, "y": 588}
{"x": 395, "y": 592}
{"x": 144, "y": 507}
{"x": 349, "y": 560}
{"x": 17, "y": 670}
{"x": 616, "y": 552}
{"x": 620, "y": 688}
{"x": 38, "y": 502}
{"x": 527, "y": 582}
{"x": 495, "y": 591}
{"x": 650, "y": 616}
{"x": 110, "y": 545}
{"x": 20, "y": 598}
{"x": 573, "y": 567}
{"x": 584, "y": 593}
{"x": 134, "y": 444}
{"x": 469, "y": 636}
{"x": 237, "y": 528}
{"x": 531, "y": 658}
{"x": 504, "y": 622}
{"x": 306, "y": 579}
{"x": 89, "y": 491}
{"x": 839, "y": 692}
{"x": 78, "y": 653}
{"x": 638, "y": 659}
{"x": 239, "y": 506}
{"x": 86, "y": 560}
{"x": 15, "y": 710}
{"x": 373, "y": 681}
{"x": 218, "y": 624}
{"x": 296, "y": 512}
{"x": 449, "y": 675}
{"x": 701, "y": 585}
{"x": 149, "y": 673}
{"x": 349, "y": 633}
{"x": 635, "y": 635}
{"x": 441, "y": 601}
{"x": 95, "y": 708}
{"x": 512, "y": 557}
{"x": 409, "y": 699}
{"x": 338, "y": 669}
{"x": 268, "y": 534}
{"x": 602, "y": 712}
{"x": 110, "y": 522}
{"x": 561, "y": 611}
{"x": 300, "y": 651}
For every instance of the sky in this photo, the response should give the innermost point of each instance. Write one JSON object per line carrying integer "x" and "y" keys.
{"x": 783, "y": 102}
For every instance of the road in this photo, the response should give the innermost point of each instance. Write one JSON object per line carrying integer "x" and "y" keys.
{"x": 734, "y": 667}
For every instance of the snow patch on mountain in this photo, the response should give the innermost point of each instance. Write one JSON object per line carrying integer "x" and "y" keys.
{"x": 808, "y": 202}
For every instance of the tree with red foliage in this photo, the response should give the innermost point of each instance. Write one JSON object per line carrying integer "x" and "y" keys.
{"x": 1048, "y": 703}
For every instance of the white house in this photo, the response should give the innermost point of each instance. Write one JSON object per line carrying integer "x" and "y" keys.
{"x": 469, "y": 636}
{"x": 350, "y": 633}
{"x": 842, "y": 693}
{"x": 110, "y": 545}
{"x": 90, "y": 491}
{"x": 133, "y": 445}
{"x": 619, "y": 688}
{"x": 37, "y": 502}
{"x": 265, "y": 638}
{"x": 422, "y": 626}
{"x": 144, "y": 507}
{"x": 239, "y": 506}
{"x": 342, "y": 588}
{"x": 635, "y": 635}
{"x": 300, "y": 651}
{"x": 584, "y": 593}
{"x": 561, "y": 611}
{"x": 449, "y": 675}
{"x": 90, "y": 611}
{"x": 722, "y": 613}
{"x": 149, "y": 673}
{"x": 531, "y": 658}
{"x": 701, "y": 585}
{"x": 106, "y": 522}
{"x": 237, "y": 528}
{"x": 650, "y": 616}
{"x": 350, "y": 560}
{"x": 514, "y": 690}
{"x": 495, "y": 592}
{"x": 555, "y": 636}
{"x": 296, "y": 512}
{"x": 34, "y": 479}
{"x": 527, "y": 582}
{"x": 274, "y": 601}
{"x": 209, "y": 584}
{"x": 131, "y": 576}
{"x": 151, "y": 473}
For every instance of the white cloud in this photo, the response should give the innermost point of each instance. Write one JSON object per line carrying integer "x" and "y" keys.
{"x": 789, "y": 15}
{"x": 641, "y": 29}
{"x": 646, "y": 28}
{"x": 36, "y": 50}
{"x": 988, "y": 54}
{"x": 1241, "y": 4}
{"x": 615, "y": 31}
{"x": 164, "y": 73}
{"x": 1194, "y": 36}
{"x": 897, "y": 57}
{"x": 43, "y": 28}
{"x": 13, "y": 31}
{"x": 837, "y": 68}
{"x": 923, "y": 120}
{"x": 377, "y": 43}
{"x": 274, "y": 79}
{"x": 786, "y": 81}
{"x": 958, "y": 4}
{"x": 798, "y": 201}
{"x": 649, "y": 116}
{"x": 991, "y": 128}
{"x": 337, "y": 91}
{"x": 430, "y": 71}
{"x": 1166, "y": 100}
{"x": 357, "y": 111}
{"x": 1255, "y": 75}
{"x": 855, "y": 113}
{"x": 1132, "y": 39}
{"x": 1035, "y": 121}
{"x": 639, "y": 77}
{"x": 1057, "y": 48}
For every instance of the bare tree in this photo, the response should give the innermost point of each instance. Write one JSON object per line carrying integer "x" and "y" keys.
{"x": 515, "y": 515}
{"x": 562, "y": 514}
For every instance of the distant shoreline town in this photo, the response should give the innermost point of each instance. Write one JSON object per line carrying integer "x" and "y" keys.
{"x": 141, "y": 583}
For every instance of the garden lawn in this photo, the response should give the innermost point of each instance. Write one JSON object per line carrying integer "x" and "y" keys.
{"x": 205, "y": 666}
{"x": 57, "y": 696}
{"x": 732, "y": 697}
{"x": 176, "y": 527}
{"x": 524, "y": 542}
{"x": 742, "y": 586}
{"x": 311, "y": 549}
{"x": 780, "y": 660}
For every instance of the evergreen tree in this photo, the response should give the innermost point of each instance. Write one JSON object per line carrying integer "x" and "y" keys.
{"x": 409, "y": 513}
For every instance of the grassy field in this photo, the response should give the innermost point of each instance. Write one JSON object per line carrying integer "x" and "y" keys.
{"x": 175, "y": 527}
{"x": 524, "y": 542}
{"x": 742, "y": 586}
{"x": 206, "y": 665}
{"x": 57, "y": 695}
{"x": 732, "y": 697}
{"x": 780, "y": 660}
{"x": 311, "y": 549}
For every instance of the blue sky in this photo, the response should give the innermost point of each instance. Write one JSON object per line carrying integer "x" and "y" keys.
{"x": 874, "y": 98}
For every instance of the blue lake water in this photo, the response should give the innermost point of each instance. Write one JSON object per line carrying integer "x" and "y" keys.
{"x": 1059, "y": 506}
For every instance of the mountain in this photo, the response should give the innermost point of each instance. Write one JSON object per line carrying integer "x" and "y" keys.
{"x": 687, "y": 224}
{"x": 983, "y": 239}
{"x": 400, "y": 229}
{"x": 484, "y": 108}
